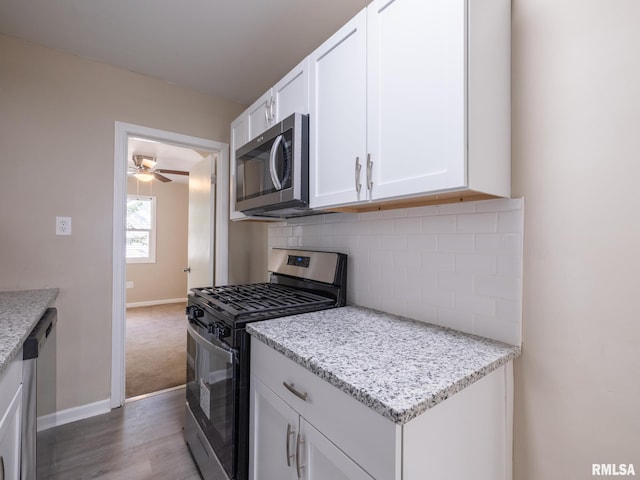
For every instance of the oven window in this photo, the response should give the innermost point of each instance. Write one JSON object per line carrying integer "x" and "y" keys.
{"x": 210, "y": 393}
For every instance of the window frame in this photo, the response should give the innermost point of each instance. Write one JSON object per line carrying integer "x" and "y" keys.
{"x": 151, "y": 258}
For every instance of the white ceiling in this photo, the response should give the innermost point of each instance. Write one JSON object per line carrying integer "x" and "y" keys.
{"x": 235, "y": 49}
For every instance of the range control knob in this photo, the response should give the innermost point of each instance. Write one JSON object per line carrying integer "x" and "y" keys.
{"x": 194, "y": 311}
{"x": 222, "y": 331}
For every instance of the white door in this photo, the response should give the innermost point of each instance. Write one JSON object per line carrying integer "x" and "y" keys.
{"x": 322, "y": 460}
{"x": 273, "y": 433}
{"x": 416, "y": 103}
{"x": 291, "y": 94}
{"x": 260, "y": 115}
{"x": 201, "y": 223}
{"x": 337, "y": 116}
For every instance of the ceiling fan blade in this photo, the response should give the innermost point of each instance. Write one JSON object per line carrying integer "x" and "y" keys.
{"x": 171, "y": 172}
{"x": 162, "y": 178}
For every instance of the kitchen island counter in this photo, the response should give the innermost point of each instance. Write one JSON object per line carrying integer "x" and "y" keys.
{"x": 19, "y": 313}
{"x": 398, "y": 367}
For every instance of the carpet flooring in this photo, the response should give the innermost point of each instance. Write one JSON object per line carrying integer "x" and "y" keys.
{"x": 156, "y": 346}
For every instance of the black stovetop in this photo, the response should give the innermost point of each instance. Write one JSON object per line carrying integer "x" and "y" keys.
{"x": 240, "y": 304}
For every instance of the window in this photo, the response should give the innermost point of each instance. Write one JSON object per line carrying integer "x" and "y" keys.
{"x": 141, "y": 229}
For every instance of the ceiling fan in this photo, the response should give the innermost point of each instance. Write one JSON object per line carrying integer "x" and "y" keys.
{"x": 145, "y": 171}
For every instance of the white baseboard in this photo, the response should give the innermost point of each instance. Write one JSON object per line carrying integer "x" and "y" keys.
{"x": 69, "y": 415}
{"x": 151, "y": 303}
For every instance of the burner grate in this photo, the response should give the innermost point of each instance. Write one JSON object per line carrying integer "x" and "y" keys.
{"x": 263, "y": 298}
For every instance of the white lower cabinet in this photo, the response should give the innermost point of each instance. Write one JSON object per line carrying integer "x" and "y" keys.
{"x": 302, "y": 427}
{"x": 10, "y": 420}
{"x": 285, "y": 446}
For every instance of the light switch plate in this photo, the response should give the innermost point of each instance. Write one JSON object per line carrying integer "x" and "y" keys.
{"x": 63, "y": 225}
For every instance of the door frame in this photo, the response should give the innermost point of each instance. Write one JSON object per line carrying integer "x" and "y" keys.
{"x": 221, "y": 236}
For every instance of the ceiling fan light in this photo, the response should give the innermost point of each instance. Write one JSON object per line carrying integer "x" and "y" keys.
{"x": 144, "y": 176}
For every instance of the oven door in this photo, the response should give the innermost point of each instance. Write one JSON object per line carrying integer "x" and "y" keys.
{"x": 212, "y": 391}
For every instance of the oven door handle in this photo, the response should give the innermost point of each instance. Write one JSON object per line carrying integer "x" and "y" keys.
{"x": 216, "y": 347}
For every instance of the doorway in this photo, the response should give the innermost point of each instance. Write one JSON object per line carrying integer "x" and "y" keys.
{"x": 163, "y": 195}
{"x": 123, "y": 132}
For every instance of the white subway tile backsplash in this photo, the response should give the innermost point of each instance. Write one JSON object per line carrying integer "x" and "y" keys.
{"x": 456, "y": 242}
{"x": 499, "y": 287}
{"x": 455, "y": 319}
{"x": 455, "y": 281}
{"x": 499, "y": 243}
{"x": 439, "y": 224}
{"x": 509, "y": 266}
{"x": 393, "y": 242}
{"x": 434, "y": 261}
{"x": 477, "y": 223}
{"x": 407, "y": 226}
{"x": 438, "y": 298}
{"x": 469, "y": 303}
{"x": 510, "y": 222}
{"x": 458, "y": 265}
{"x": 422, "y": 243}
{"x": 456, "y": 208}
{"x": 418, "y": 277}
{"x": 499, "y": 205}
{"x": 475, "y": 263}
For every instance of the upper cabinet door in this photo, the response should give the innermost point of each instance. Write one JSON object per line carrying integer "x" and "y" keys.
{"x": 337, "y": 121}
{"x": 260, "y": 116}
{"x": 291, "y": 94}
{"x": 416, "y": 96}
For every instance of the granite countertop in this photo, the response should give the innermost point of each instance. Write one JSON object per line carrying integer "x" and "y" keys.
{"x": 19, "y": 313}
{"x": 396, "y": 366}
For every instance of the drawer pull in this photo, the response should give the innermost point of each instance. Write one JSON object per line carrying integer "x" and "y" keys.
{"x": 291, "y": 387}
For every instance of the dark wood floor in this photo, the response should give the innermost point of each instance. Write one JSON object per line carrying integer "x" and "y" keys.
{"x": 141, "y": 440}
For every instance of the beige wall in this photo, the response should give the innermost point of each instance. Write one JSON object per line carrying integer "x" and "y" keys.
{"x": 576, "y": 126}
{"x": 57, "y": 114}
{"x": 164, "y": 279}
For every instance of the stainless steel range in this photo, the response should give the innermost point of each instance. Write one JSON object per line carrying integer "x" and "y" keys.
{"x": 217, "y": 414}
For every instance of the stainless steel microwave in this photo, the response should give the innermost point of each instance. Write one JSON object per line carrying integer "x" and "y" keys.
{"x": 272, "y": 171}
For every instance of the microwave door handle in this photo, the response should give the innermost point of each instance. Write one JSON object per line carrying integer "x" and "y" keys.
{"x": 272, "y": 163}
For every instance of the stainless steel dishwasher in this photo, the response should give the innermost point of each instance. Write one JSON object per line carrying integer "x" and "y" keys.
{"x": 38, "y": 369}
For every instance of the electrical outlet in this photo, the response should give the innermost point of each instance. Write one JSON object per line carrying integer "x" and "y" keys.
{"x": 63, "y": 225}
{"x": 129, "y": 284}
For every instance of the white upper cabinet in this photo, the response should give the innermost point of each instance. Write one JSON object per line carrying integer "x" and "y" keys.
{"x": 337, "y": 116}
{"x": 259, "y": 115}
{"x": 289, "y": 95}
{"x": 431, "y": 113}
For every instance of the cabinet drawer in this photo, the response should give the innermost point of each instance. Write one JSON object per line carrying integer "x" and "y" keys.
{"x": 369, "y": 439}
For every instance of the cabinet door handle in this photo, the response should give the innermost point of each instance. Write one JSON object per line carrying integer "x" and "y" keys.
{"x": 1, "y": 468}
{"x": 291, "y": 387}
{"x": 290, "y": 431}
{"x": 299, "y": 465}
{"x": 358, "y": 168}
{"x": 266, "y": 114}
{"x": 271, "y": 102}
{"x": 369, "y": 173}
